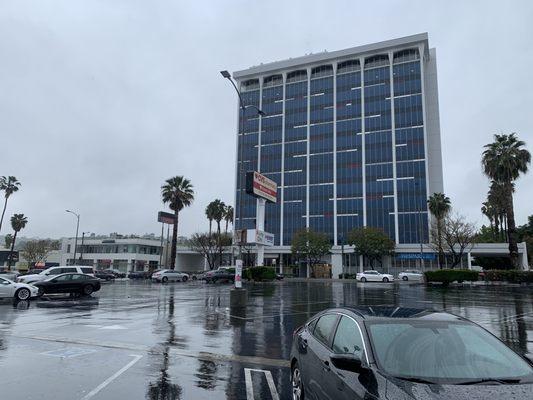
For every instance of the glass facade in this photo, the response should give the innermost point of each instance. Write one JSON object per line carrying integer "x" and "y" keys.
{"x": 345, "y": 142}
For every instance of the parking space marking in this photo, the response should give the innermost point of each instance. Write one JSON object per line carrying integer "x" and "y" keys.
{"x": 69, "y": 352}
{"x": 249, "y": 383}
{"x": 101, "y": 386}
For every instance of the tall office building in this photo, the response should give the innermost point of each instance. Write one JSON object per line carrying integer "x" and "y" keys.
{"x": 351, "y": 137}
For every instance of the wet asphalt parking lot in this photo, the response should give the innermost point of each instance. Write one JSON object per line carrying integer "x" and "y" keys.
{"x": 143, "y": 340}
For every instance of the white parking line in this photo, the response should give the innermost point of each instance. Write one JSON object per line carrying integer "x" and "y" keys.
{"x": 250, "y": 387}
{"x": 101, "y": 386}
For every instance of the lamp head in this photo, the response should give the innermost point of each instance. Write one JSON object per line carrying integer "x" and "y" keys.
{"x": 225, "y": 74}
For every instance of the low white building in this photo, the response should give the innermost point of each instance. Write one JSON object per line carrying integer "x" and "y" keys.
{"x": 128, "y": 254}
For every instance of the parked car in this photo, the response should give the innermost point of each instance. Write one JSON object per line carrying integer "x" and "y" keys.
{"x": 403, "y": 353}
{"x": 169, "y": 275}
{"x": 11, "y": 275}
{"x": 18, "y": 291}
{"x": 279, "y": 277}
{"x": 373, "y": 276}
{"x": 52, "y": 271}
{"x": 116, "y": 272}
{"x": 140, "y": 274}
{"x": 69, "y": 283}
{"x": 411, "y": 275}
{"x": 221, "y": 275}
{"x": 105, "y": 276}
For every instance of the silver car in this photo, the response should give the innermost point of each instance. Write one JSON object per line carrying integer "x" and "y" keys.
{"x": 169, "y": 275}
{"x": 411, "y": 275}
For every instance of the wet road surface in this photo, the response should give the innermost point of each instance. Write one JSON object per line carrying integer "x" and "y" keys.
{"x": 142, "y": 340}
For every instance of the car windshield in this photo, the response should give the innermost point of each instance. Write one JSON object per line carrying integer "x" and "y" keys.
{"x": 444, "y": 352}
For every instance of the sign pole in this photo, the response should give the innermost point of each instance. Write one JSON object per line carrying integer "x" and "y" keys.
{"x": 260, "y": 226}
{"x": 162, "y": 236}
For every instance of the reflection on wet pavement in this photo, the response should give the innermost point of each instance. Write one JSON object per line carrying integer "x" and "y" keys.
{"x": 191, "y": 345}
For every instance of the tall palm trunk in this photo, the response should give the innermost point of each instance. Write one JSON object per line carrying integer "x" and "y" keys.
{"x": 3, "y": 212}
{"x": 439, "y": 239}
{"x": 511, "y": 230}
{"x": 11, "y": 251}
{"x": 226, "y": 231}
{"x": 210, "y": 226}
{"x": 174, "y": 241}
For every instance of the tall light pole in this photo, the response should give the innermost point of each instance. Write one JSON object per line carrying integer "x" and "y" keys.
{"x": 77, "y": 228}
{"x": 243, "y": 107}
{"x": 81, "y": 251}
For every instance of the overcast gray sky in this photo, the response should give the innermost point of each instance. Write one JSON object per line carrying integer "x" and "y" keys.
{"x": 102, "y": 100}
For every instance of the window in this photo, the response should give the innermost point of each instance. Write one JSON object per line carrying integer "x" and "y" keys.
{"x": 87, "y": 270}
{"x": 66, "y": 270}
{"x": 348, "y": 338}
{"x": 64, "y": 278}
{"x": 324, "y": 327}
{"x": 55, "y": 271}
{"x": 79, "y": 277}
{"x": 3, "y": 281}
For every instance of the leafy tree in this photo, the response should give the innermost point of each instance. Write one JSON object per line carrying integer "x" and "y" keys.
{"x": 7, "y": 240}
{"x": 178, "y": 193}
{"x": 8, "y": 185}
{"x": 228, "y": 216}
{"x": 310, "y": 245}
{"x": 371, "y": 243}
{"x": 503, "y": 161}
{"x": 487, "y": 234}
{"x": 439, "y": 205}
{"x": 210, "y": 245}
{"x": 18, "y": 222}
{"x": 36, "y": 251}
{"x": 525, "y": 234}
{"x": 458, "y": 236}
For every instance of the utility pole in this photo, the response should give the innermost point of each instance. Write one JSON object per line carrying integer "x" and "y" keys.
{"x": 76, "y": 239}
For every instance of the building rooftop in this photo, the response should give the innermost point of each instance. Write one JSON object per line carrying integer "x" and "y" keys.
{"x": 320, "y": 57}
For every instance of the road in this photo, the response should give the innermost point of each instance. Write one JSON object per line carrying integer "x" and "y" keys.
{"x": 141, "y": 340}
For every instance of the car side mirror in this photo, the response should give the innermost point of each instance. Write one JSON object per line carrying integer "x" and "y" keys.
{"x": 349, "y": 362}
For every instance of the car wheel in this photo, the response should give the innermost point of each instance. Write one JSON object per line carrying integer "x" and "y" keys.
{"x": 40, "y": 292}
{"x": 385, "y": 280}
{"x": 164, "y": 279}
{"x": 23, "y": 294}
{"x": 296, "y": 381}
{"x": 363, "y": 279}
{"x": 87, "y": 290}
{"x": 184, "y": 279}
{"x": 405, "y": 278}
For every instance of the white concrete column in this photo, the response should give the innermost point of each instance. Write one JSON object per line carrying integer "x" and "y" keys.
{"x": 335, "y": 154}
{"x": 336, "y": 265}
{"x": 393, "y": 133}
{"x": 307, "y": 181}
{"x": 259, "y": 124}
{"x": 260, "y": 226}
{"x": 468, "y": 260}
{"x": 422, "y": 81}
{"x": 282, "y": 181}
{"x": 363, "y": 153}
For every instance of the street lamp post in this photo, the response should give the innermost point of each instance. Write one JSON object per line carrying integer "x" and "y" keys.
{"x": 243, "y": 107}
{"x": 76, "y": 239}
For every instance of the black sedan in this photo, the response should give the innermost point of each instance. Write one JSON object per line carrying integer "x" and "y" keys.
{"x": 403, "y": 353}
{"x": 69, "y": 283}
{"x": 105, "y": 276}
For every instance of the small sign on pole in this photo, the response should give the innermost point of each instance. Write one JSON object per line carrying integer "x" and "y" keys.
{"x": 238, "y": 274}
{"x": 166, "y": 218}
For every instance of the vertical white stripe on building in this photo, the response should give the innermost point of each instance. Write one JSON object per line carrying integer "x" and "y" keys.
{"x": 237, "y": 170}
{"x": 307, "y": 181}
{"x": 421, "y": 56}
{"x": 363, "y": 155}
{"x": 282, "y": 182}
{"x": 335, "y": 153}
{"x": 393, "y": 133}
{"x": 259, "y": 124}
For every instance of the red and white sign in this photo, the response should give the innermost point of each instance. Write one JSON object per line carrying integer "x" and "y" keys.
{"x": 260, "y": 186}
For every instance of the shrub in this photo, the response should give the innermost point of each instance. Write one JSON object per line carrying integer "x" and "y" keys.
{"x": 260, "y": 273}
{"x": 446, "y": 276}
{"x": 512, "y": 276}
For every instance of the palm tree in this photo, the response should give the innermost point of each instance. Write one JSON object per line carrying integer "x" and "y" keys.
{"x": 503, "y": 161}
{"x": 219, "y": 211}
{"x": 178, "y": 193}
{"x": 439, "y": 205}
{"x": 497, "y": 198}
{"x": 210, "y": 214}
{"x": 8, "y": 185}
{"x": 228, "y": 216}
{"x": 18, "y": 222}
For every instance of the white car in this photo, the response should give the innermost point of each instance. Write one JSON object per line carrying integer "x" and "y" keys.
{"x": 168, "y": 275}
{"x": 18, "y": 291}
{"x": 410, "y": 275}
{"x": 373, "y": 276}
{"x": 47, "y": 273}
